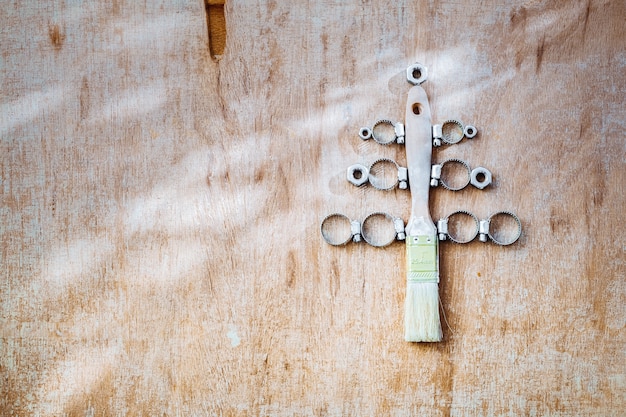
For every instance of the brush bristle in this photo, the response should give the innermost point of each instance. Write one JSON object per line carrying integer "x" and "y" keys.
{"x": 421, "y": 312}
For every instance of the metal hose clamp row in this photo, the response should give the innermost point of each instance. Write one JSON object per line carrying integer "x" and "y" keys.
{"x": 347, "y": 230}
{"x": 479, "y": 177}
{"x": 358, "y": 175}
{"x": 384, "y": 132}
{"x": 452, "y": 131}
{"x": 483, "y": 228}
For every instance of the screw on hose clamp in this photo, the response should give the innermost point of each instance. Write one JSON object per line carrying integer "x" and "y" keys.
{"x": 400, "y": 229}
{"x": 455, "y": 222}
{"x": 461, "y": 165}
{"x": 499, "y": 234}
{"x": 437, "y": 135}
{"x": 375, "y": 230}
{"x": 479, "y": 177}
{"x": 384, "y": 132}
{"x": 452, "y": 131}
{"x": 483, "y": 229}
{"x": 403, "y": 178}
{"x": 435, "y": 175}
{"x": 442, "y": 229}
{"x": 379, "y": 178}
{"x": 400, "y": 132}
{"x": 355, "y": 229}
{"x": 378, "y": 170}
{"x": 383, "y": 174}
{"x": 338, "y": 229}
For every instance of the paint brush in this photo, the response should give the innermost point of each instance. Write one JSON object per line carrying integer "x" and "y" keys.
{"x": 421, "y": 307}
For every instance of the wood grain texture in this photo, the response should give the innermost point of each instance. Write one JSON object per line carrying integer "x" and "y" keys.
{"x": 160, "y": 250}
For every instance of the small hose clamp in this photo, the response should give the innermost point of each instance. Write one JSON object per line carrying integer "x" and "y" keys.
{"x": 444, "y": 226}
{"x": 369, "y": 231}
{"x": 344, "y": 231}
{"x": 385, "y": 132}
{"x": 452, "y": 132}
{"x": 486, "y": 229}
{"x": 442, "y": 181}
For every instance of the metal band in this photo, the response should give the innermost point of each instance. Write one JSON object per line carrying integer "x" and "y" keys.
{"x": 382, "y": 139}
{"x": 372, "y": 178}
{"x": 367, "y": 237}
{"x": 338, "y": 241}
{"x": 448, "y": 134}
{"x": 456, "y": 239}
{"x": 422, "y": 255}
{"x": 515, "y": 237}
{"x": 457, "y": 161}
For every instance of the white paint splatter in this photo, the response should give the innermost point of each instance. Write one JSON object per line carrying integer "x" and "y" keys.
{"x": 232, "y": 335}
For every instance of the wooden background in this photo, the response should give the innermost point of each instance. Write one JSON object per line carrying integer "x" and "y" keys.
{"x": 160, "y": 250}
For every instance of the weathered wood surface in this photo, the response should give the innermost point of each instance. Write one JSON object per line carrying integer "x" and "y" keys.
{"x": 160, "y": 247}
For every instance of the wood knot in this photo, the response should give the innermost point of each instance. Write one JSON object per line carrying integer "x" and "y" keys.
{"x": 57, "y": 36}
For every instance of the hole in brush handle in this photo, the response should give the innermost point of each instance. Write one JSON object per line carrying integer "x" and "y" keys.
{"x": 216, "y": 22}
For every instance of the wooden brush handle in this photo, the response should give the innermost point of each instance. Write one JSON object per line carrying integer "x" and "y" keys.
{"x": 421, "y": 240}
{"x": 418, "y": 143}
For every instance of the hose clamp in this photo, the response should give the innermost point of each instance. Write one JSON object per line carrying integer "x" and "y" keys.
{"x": 452, "y": 131}
{"x": 370, "y": 230}
{"x": 496, "y": 234}
{"x": 479, "y": 177}
{"x": 384, "y": 132}
{"x": 445, "y": 183}
{"x": 338, "y": 229}
{"x": 453, "y": 221}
